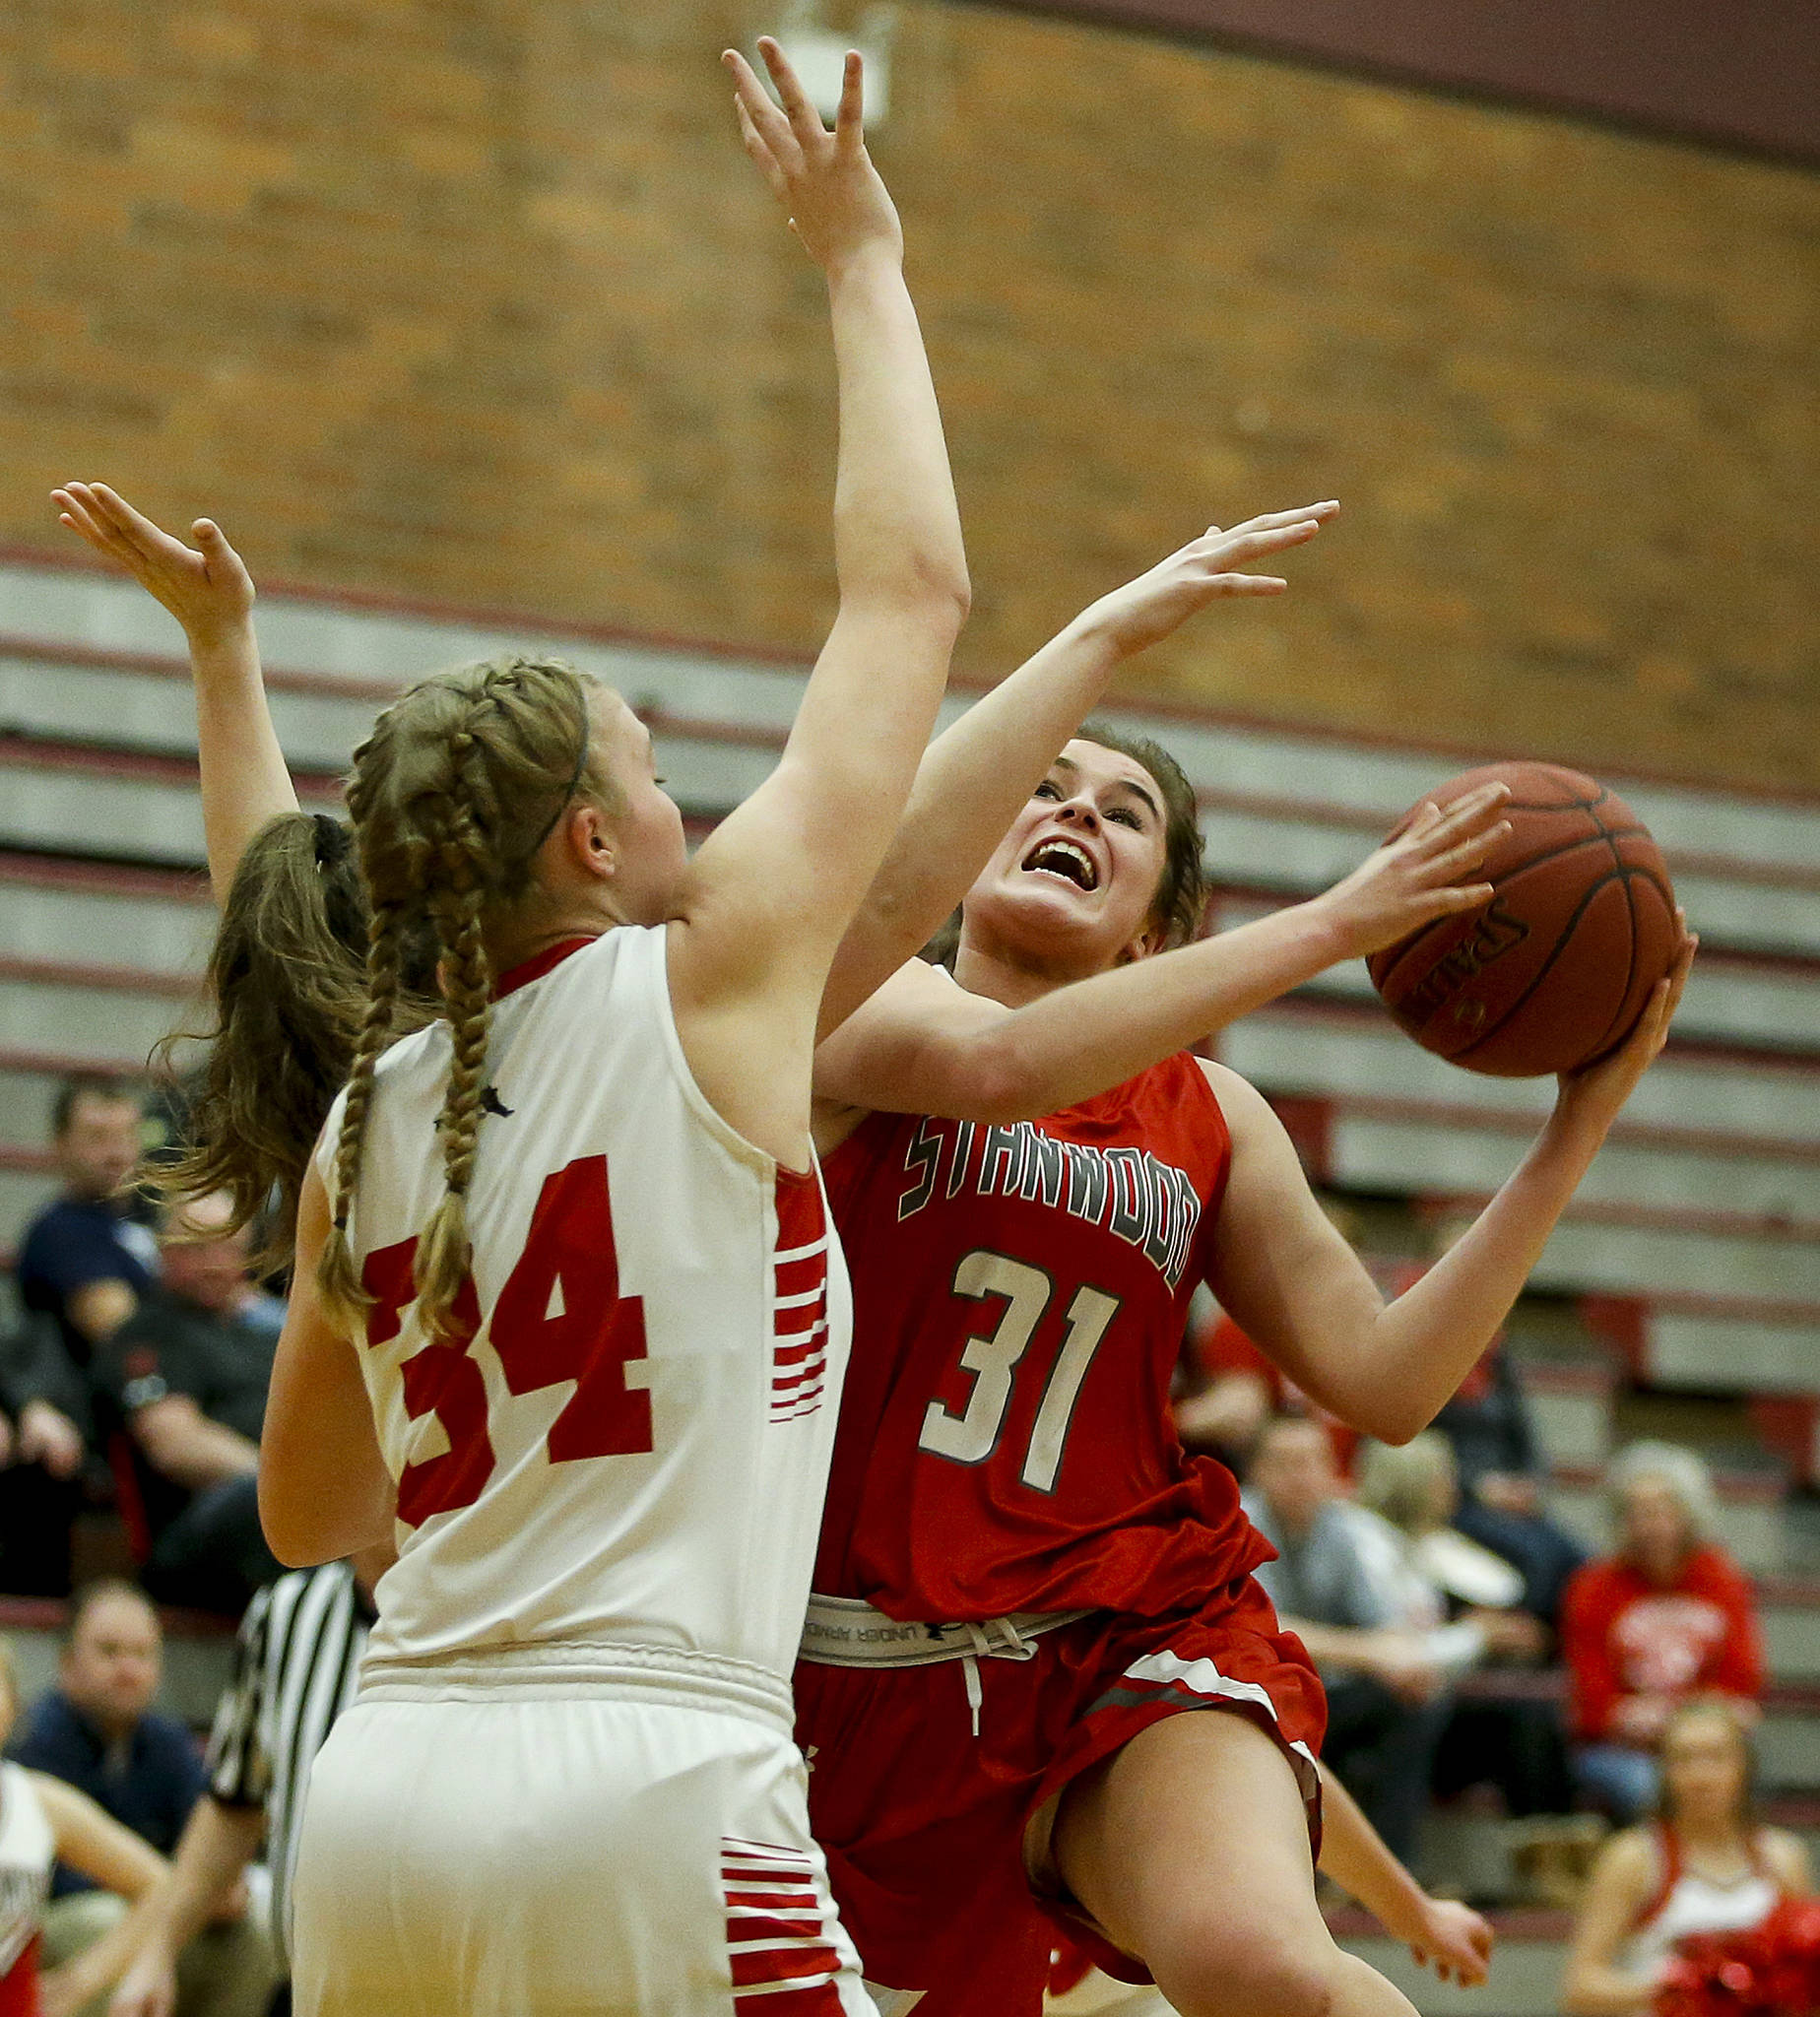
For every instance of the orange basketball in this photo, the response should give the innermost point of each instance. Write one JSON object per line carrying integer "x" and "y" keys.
{"x": 1556, "y": 969}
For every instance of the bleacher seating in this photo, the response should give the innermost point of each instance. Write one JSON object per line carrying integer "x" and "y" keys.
{"x": 1689, "y": 1264}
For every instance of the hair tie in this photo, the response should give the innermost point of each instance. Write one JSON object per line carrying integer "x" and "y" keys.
{"x": 332, "y": 839}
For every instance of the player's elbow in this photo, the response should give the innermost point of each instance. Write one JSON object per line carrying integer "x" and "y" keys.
{"x": 986, "y": 1082}
{"x": 917, "y": 586}
{"x": 1387, "y": 1417}
{"x": 299, "y": 1525}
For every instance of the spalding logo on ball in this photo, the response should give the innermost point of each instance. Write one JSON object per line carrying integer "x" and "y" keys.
{"x": 1556, "y": 969}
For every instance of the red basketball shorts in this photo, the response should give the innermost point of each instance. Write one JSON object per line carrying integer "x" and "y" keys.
{"x": 936, "y": 1839}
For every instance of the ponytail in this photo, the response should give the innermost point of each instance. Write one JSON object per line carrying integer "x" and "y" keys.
{"x": 286, "y": 991}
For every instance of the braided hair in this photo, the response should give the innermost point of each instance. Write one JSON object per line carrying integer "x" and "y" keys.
{"x": 451, "y": 797}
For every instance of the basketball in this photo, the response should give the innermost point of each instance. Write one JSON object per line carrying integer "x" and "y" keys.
{"x": 1556, "y": 969}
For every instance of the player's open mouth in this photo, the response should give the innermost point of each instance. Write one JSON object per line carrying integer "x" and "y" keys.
{"x": 1063, "y": 858}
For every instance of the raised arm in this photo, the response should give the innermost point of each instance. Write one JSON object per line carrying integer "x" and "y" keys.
{"x": 978, "y": 772}
{"x": 922, "y": 1045}
{"x": 773, "y": 889}
{"x": 207, "y": 588}
{"x": 1291, "y": 1282}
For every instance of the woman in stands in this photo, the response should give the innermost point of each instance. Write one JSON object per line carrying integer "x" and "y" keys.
{"x": 1667, "y": 1616}
{"x": 1708, "y": 1866}
{"x": 566, "y": 1307}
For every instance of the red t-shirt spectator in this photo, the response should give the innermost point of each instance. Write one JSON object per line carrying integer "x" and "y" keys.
{"x": 1624, "y": 1636}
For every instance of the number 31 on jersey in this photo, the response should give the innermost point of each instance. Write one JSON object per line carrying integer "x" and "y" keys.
{"x": 993, "y": 1357}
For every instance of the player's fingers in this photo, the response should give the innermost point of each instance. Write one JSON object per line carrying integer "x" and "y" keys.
{"x": 135, "y": 525}
{"x": 79, "y": 513}
{"x": 1247, "y": 584}
{"x": 756, "y": 146}
{"x": 757, "y": 108}
{"x": 1241, "y": 545}
{"x": 804, "y": 120}
{"x": 850, "y": 118}
{"x": 1266, "y": 520}
{"x": 1460, "y": 896}
{"x": 1465, "y": 853}
{"x": 1470, "y": 814}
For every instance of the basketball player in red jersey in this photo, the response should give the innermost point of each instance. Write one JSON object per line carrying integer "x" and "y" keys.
{"x": 1022, "y": 1583}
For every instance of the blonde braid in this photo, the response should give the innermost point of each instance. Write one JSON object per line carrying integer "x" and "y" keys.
{"x": 451, "y": 798}
{"x": 444, "y": 1250}
{"x": 343, "y": 1292}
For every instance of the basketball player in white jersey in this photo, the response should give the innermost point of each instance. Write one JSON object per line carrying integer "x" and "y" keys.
{"x": 566, "y": 1306}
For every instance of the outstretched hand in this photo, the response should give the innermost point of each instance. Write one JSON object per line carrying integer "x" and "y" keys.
{"x": 1144, "y": 611}
{"x": 1455, "y": 1941}
{"x": 1594, "y": 1095}
{"x": 838, "y": 205}
{"x": 1416, "y": 876}
{"x": 206, "y": 587}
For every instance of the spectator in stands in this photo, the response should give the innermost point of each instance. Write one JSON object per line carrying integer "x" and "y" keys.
{"x": 1489, "y": 1425}
{"x": 1667, "y": 1616}
{"x": 1234, "y": 1391}
{"x": 1707, "y": 1866}
{"x": 44, "y": 1437}
{"x": 1471, "y": 1603}
{"x": 1387, "y": 1702}
{"x": 188, "y": 1373}
{"x": 85, "y": 1261}
{"x": 98, "y": 1731}
{"x": 44, "y": 1822}
{"x": 88, "y": 1256}
{"x": 1487, "y": 1422}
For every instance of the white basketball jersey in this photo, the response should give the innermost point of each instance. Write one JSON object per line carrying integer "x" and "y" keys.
{"x": 27, "y": 1849}
{"x": 626, "y": 1435}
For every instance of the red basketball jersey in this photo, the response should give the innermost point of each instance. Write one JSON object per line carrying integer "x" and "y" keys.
{"x": 1019, "y": 1294}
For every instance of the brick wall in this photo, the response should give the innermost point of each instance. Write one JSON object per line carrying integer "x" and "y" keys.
{"x": 479, "y": 300}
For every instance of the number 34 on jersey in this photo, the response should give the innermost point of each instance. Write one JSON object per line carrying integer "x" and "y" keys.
{"x": 559, "y": 1317}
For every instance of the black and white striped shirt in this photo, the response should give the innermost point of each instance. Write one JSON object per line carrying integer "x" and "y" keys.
{"x": 297, "y": 1668}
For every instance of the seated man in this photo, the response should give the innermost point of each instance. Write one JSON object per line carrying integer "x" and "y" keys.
{"x": 84, "y": 1263}
{"x": 98, "y": 1731}
{"x": 188, "y": 1372}
{"x": 1387, "y": 1703}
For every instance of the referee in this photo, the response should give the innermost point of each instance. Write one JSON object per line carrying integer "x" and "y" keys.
{"x": 295, "y": 1669}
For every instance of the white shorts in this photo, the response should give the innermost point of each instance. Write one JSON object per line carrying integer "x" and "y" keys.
{"x": 565, "y": 1833}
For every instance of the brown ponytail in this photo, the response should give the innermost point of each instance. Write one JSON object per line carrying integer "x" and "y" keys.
{"x": 452, "y": 795}
{"x": 285, "y": 988}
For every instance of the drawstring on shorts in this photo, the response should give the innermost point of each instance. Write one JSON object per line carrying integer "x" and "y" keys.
{"x": 1013, "y": 1645}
